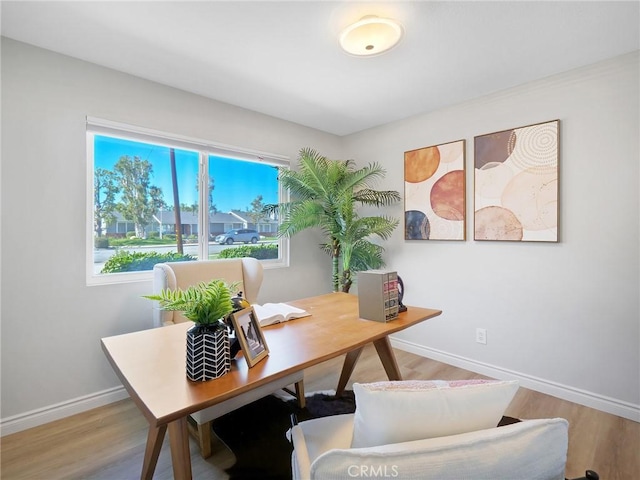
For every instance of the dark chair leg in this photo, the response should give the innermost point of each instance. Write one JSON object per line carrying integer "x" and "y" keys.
{"x": 588, "y": 475}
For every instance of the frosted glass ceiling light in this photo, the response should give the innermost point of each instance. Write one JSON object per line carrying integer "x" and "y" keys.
{"x": 370, "y": 36}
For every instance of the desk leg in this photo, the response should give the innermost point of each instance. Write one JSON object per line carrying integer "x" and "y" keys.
{"x": 347, "y": 369}
{"x": 180, "y": 455}
{"x": 388, "y": 359}
{"x": 152, "y": 450}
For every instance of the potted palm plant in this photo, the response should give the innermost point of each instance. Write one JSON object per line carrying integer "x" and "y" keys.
{"x": 326, "y": 194}
{"x": 207, "y": 304}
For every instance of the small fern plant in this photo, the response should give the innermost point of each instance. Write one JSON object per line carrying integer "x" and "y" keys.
{"x": 205, "y": 303}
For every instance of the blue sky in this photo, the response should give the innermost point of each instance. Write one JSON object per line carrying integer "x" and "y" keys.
{"x": 237, "y": 183}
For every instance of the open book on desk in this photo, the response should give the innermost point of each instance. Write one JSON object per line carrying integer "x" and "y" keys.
{"x": 271, "y": 313}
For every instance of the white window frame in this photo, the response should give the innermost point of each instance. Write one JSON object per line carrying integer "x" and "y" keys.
{"x": 97, "y": 126}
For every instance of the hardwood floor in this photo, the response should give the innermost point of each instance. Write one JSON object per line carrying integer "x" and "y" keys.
{"x": 108, "y": 443}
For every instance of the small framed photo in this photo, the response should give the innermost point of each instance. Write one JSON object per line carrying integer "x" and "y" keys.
{"x": 249, "y": 333}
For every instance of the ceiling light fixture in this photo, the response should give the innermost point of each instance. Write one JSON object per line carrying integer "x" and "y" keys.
{"x": 371, "y": 36}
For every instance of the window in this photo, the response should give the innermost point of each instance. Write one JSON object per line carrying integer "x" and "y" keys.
{"x": 155, "y": 198}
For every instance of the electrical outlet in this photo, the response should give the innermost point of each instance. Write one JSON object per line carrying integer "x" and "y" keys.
{"x": 481, "y": 336}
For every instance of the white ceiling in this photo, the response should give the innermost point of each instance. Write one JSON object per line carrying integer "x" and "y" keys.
{"x": 283, "y": 59}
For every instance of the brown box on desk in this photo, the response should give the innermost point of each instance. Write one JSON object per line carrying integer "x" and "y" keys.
{"x": 378, "y": 295}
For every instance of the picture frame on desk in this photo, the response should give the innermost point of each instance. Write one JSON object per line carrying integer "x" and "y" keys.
{"x": 249, "y": 333}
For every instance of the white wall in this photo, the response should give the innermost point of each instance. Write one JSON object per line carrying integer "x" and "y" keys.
{"x": 566, "y": 313}
{"x": 562, "y": 317}
{"x": 51, "y": 321}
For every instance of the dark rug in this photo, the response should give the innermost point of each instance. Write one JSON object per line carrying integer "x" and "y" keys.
{"x": 256, "y": 433}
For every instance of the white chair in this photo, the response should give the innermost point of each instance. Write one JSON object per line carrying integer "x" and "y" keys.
{"x": 532, "y": 449}
{"x": 429, "y": 429}
{"x": 248, "y": 273}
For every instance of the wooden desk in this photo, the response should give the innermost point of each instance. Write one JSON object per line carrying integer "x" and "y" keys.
{"x": 151, "y": 365}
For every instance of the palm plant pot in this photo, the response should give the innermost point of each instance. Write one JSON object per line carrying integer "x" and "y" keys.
{"x": 208, "y": 355}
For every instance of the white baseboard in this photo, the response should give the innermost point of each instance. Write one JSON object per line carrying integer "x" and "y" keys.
{"x": 34, "y": 418}
{"x": 565, "y": 392}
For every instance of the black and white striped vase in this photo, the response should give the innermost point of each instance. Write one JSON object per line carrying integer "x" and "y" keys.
{"x": 207, "y": 352}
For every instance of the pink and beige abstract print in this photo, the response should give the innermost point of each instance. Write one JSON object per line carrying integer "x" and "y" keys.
{"x": 516, "y": 184}
{"x": 434, "y": 186}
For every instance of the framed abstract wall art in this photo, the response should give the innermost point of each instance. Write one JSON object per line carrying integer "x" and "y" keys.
{"x": 516, "y": 184}
{"x": 434, "y": 192}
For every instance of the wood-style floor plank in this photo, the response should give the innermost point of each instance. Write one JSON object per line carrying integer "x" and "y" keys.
{"x": 108, "y": 443}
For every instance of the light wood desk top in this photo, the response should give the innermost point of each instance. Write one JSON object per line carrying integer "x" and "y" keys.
{"x": 151, "y": 363}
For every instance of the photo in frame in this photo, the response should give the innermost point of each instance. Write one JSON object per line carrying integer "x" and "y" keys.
{"x": 249, "y": 333}
{"x": 516, "y": 184}
{"x": 434, "y": 192}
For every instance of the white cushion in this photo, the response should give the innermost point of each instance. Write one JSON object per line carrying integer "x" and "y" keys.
{"x": 401, "y": 411}
{"x": 532, "y": 449}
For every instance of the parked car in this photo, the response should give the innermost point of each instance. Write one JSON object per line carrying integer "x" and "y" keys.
{"x": 238, "y": 235}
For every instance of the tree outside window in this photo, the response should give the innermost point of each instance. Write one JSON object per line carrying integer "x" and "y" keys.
{"x": 145, "y": 211}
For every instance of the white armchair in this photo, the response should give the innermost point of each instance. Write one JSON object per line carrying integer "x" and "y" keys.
{"x": 248, "y": 273}
{"x": 429, "y": 429}
{"x": 533, "y": 449}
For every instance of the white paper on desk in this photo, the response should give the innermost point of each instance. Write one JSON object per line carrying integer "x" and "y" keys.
{"x": 271, "y": 313}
